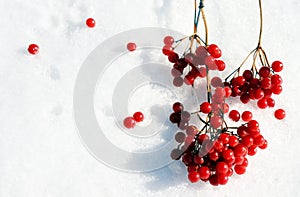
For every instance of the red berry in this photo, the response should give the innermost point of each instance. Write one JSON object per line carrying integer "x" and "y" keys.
{"x": 247, "y": 141}
{"x": 216, "y": 82}
{"x": 240, "y": 80}
{"x": 276, "y": 79}
{"x": 213, "y": 180}
{"x": 277, "y": 66}
{"x": 262, "y": 103}
{"x": 216, "y": 121}
{"x": 176, "y": 154}
{"x": 129, "y": 122}
{"x": 264, "y": 71}
{"x": 247, "y": 74}
{"x": 131, "y": 46}
{"x": 205, "y": 107}
{"x": 222, "y": 167}
{"x": 233, "y": 141}
{"x": 252, "y": 150}
{"x": 271, "y": 102}
{"x": 175, "y": 118}
{"x": 173, "y": 57}
{"x": 167, "y": 50}
{"x": 265, "y": 145}
{"x": 280, "y": 114}
{"x": 169, "y": 40}
{"x": 224, "y": 137}
{"x": 33, "y": 49}
{"x": 234, "y": 115}
{"x": 222, "y": 179}
{"x": 247, "y": 116}
{"x": 214, "y": 51}
{"x": 228, "y": 91}
{"x": 253, "y": 124}
{"x": 266, "y": 83}
{"x": 214, "y": 155}
{"x": 189, "y": 79}
{"x": 90, "y": 22}
{"x": 259, "y": 140}
{"x": 180, "y": 137}
{"x": 239, "y": 169}
{"x": 276, "y": 89}
{"x": 210, "y": 63}
{"x": 194, "y": 177}
{"x": 204, "y": 172}
{"x": 228, "y": 154}
{"x": 239, "y": 160}
{"x": 138, "y": 116}
{"x": 240, "y": 150}
{"x": 259, "y": 94}
{"x": 177, "y": 81}
{"x": 245, "y": 98}
{"x": 178, "y": 107}
{"x": 220, "y": 64}
{"x": 198, "y": 160}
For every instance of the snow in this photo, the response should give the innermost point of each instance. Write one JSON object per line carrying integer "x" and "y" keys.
{"x": 40, "y": 149}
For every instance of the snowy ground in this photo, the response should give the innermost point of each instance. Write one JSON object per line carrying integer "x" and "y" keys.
{"x": 40, "y": 151}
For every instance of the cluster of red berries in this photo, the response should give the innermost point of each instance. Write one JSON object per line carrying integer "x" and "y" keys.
{"x": 130, "y": 122}
{"x": 215, "y": 158}
{"x": 260, "y": 86}
{"x": 193, "y": 65}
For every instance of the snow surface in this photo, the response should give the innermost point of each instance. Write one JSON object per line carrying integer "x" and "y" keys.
{"x": 40, "y": 150}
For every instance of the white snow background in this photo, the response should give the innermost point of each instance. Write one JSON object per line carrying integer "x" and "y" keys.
{"x": 40, "y": 151}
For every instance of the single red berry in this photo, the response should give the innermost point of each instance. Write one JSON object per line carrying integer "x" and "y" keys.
{"x": 252, "y": 150}
{"x": 222, "y": 167}
{"x": 264, "y": 71}
{"x": 233, "y": 141}
{"x": 259, "y": 94}
{"x": 247, "y": 116}
{"x": 240, "y": 169}
{"x": 259, "y": 140}
{"x": 265, "y": 145}
{"x": 176, "y": 154}
{"x": 220, "y": 64}
{"x": 222, "y": 179}
{"x": 262, "y": 103}
{"x": 177, "y": 81}
{"x": 180, "y": 137}
{"x": 214, "y": 155}
{"x": 213, "y": 180}
{"x": 129, "y": 122}
{"x": 169, "y": 40}
{"x": 228, "y": 91}
{"x": 216, "y": 82}
{"x": 277, "y": 66}
{"x": 280, "y": 114}
{"x": 173, "y": 57}
{"x": 240, "y": 80}
{"x": 245, "y": 98}
{"x": 175, "y": 117}
{"x": 204, "y": 172}
{"x": 175, "y": 72}
{"x": 205, "y": 107}
{"x": 271, "y": 102}
{"x": 185, "y": 116}
{"x": 167, "y": 50}
{"x": 253, "y": 124}
{"x": 216, "y": 121}
{"x": 194, "y": 177}
{"x": 198, "y": 160}
{"x": 214, "y": 51}
{"x": 228, "y": 154}
{"x": 90, "y": 22}
{"x": 33, "y": 49}
{"x": 178, "y": 107}
{"x": 138, "y": 116}
{"x": 239, "y": 160}
{"x": 245, "y": 162}
{"x": 189, "y": 79}
{"x": 234, "y": 115}
{"x": 266, "y": 83}
{"x": 224, "y": 137}
{"x": 276, "y": 79}
{"x": 131, "y": 46}
{"x": 247, "y": 141}
{"x": 192, "y": 130}
{"x": 247, "y": 74}
{"x": 276, "y": 89}
{"x": 240, "y": 150}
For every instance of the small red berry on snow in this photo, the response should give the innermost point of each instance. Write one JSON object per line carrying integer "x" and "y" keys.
{"x": 90, "y": 22}
{"x": 33, "y": 49}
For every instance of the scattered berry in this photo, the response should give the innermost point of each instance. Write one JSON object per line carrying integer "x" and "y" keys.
{"x": 279, "y": 114}
{"x": 33, "y": 49}
{"x": 129, "y": 122}
{"x": 90, "y": 22}
{"x": 138, "y": 116}
{"x": 131, "y": 46}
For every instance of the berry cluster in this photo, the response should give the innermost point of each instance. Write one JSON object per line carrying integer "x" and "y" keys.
{"x": 192, "y": 65}
{"x": 260, "y": 86}
{"x": 215, "y": 156}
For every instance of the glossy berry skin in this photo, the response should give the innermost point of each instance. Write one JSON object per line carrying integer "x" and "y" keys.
{"x": 264, "y": 71}
{"x": 234, "y": 115}
{"x": 240, "y": 169}
{"x": 262, "y": 103}
{"x": 222, "y": 167}
{"x": 138, "y": 116}
{"x": 204, "y": 172}
{"x": 178, "y": 107}
{"x": 194, "y": 177}
{"x": 222, "y": 179}
{"x": 131, "y": 46}
{"x": 247, "y": 116}
{"x": 90, "y": 22}
{"x": 33, "y": 49}
{"x": 220, "y": 64}
{"x": 205, "y": 107}
{"x": 168, "y": 40}
{"x": 214, "y": 51}
{"x": 277, "y": 66}
{"x": 279, "y": 114}
{"x": 129, "y": 122}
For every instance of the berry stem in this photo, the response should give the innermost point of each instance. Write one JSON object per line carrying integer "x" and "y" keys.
{"x": 261, "y": 24}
